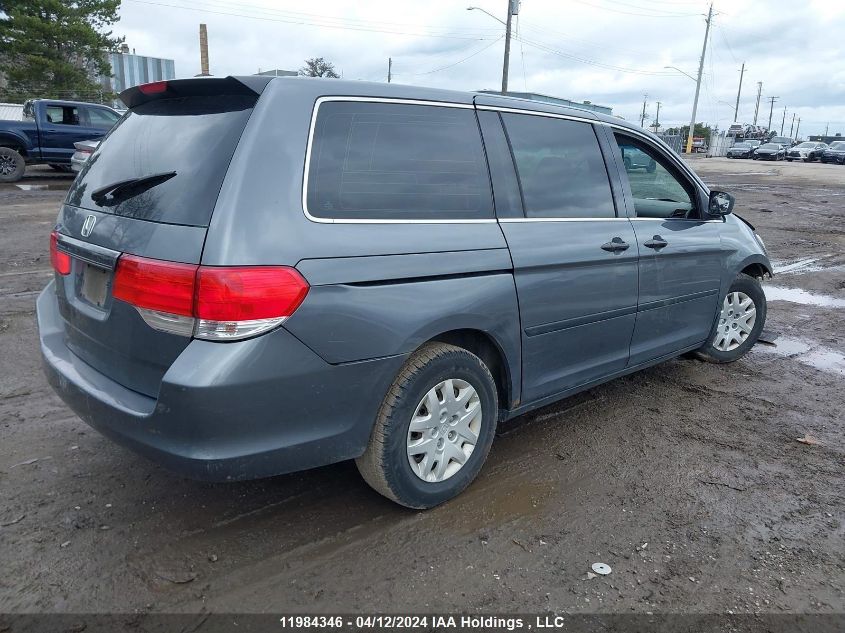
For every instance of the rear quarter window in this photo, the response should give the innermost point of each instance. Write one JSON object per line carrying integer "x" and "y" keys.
{"x": 397, "y": 161}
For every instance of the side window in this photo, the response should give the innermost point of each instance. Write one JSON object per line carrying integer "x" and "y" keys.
{"x": 397, "y": 161}
{"x": 560, "y": 166}
{"x": 102, "y": 118}
{"x": 62, "y": 115}
{"x": 657, "y": 188}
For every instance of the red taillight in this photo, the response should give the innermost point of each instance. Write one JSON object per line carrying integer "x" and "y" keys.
{"x": 59, "y": 259}
{"x": 248, "y": 293}
{"x": 155, "y": 285}
{"x": 153, "y": 88}
{"x": 227, "y": 302}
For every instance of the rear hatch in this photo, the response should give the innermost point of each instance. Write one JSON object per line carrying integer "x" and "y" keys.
{"x": 147, "y": 192}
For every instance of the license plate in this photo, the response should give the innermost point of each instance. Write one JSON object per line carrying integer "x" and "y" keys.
{"x": 95, "y": 282}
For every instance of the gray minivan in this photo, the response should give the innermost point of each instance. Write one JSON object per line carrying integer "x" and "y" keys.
{"x": 260, "y": 275}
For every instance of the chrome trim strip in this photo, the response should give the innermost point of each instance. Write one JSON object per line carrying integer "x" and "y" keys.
{"x": 515, "y": 220}
{"x": 322, "y": 100}
{"x": 553, "y": 115}
{"x": 675, "y": 220}
{"x": 87, "y": 252}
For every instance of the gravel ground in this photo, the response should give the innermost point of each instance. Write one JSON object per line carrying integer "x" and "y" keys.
{"x": 687, "y": 478}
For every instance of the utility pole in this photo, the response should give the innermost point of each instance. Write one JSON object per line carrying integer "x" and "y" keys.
{"x": 771, "y": 108}
{"x": 507, "y": 61}
{"x": 698, "y": 81}
{"x": 389, "y": 69}
{"x": 826, "y": 128}
{"x": 783, "y": 121}
{"x": 798, "y": 128}
{"x": 642, "y": 116}
{"x": 757, "y": 107}
{"x": 657, "y": 119}
{"x": 791, "y": 125}
{"x": 738, "y": 92}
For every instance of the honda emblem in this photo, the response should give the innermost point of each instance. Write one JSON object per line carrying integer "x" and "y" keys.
{"x": 88, "y": 226}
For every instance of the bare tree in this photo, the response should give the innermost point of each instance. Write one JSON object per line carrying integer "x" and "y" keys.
{"x": 318, "y": 67}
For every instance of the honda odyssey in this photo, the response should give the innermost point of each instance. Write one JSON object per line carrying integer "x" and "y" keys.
{"x": 260, "y": 275}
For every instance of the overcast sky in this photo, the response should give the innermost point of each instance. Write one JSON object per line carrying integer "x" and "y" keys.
{"x": 610, "y": 52}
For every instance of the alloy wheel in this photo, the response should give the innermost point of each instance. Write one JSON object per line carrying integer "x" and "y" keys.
{"x": 444, "y": 430}
{"x": 7, "y": 166}
{"x": 736, "y": 321}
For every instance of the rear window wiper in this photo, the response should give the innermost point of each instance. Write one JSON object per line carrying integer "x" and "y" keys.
{"x": 117, "y": 192}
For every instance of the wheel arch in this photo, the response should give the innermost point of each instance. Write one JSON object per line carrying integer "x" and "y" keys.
{"x": 14, "y": 142}
{"x": 485, "y": 346}
{"x": 757, "y": 267}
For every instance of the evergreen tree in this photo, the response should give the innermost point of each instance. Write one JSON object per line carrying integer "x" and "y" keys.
{"x": 55, "y": 48}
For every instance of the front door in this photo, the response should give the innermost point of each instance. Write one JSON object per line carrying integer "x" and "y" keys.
{"x": 574, "y": 259}
{"x": 63, "y": 126}
{"x": 680, "y": 253}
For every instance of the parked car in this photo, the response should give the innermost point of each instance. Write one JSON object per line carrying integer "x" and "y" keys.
{"x": 807, "y": 151}
{"x": 835, "y": 153}
{"x": 770, "y": 151}
{"x": 741, "y": 150}
{"x": 638, "y": 160}
{"x": 47, "y": 132}
{"x": 783, "y": 141}
{"x": 83, "y": 152}
{"x": 380, "y": 275}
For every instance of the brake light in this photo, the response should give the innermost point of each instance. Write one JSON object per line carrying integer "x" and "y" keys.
{"x": 58, "y": 259}
{"x": 215, "y": 303}
{"x": 153, "y": 88}
{"x": 155, "y": 285}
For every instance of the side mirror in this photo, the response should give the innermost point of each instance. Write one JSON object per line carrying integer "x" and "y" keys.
{"x": 721, "y": 203}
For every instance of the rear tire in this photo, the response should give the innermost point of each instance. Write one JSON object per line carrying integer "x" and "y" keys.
{"x": 12, "y": 165}
{"x": 725, "y": 344}
{"x": 386, "y": 465}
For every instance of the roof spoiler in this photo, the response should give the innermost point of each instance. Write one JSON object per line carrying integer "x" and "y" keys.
{"x": 196, "y": 87}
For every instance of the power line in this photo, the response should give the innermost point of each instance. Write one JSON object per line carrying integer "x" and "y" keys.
{"x": 591, "y": 62}
{"x": 321, "y": 18}
{"x": 302, "y": 22}
{"x": 645, "y": 15}
{"x": 460, "y": 61}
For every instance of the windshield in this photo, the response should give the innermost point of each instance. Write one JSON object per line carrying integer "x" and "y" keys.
{"x": 770, "y": 146}
{"x": 840, "y": 145}
{"x": 165, "y": 160}
{"x": 807, "y": 145}
{"x": 741, "y": 146}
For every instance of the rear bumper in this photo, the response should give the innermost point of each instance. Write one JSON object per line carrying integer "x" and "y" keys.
{"x": 227, "y": 411}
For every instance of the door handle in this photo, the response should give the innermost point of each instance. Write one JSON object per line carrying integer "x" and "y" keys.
{"x": 616, "y": 245}
{"x": 656, "y": 242}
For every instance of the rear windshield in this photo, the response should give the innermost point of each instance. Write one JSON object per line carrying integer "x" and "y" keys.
{"x": 187, "y": 142}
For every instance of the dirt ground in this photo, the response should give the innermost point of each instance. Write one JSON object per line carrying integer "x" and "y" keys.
{"x": 686, "y": 478}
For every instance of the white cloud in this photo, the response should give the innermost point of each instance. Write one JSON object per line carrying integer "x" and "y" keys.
{"x": 570, "y": 49}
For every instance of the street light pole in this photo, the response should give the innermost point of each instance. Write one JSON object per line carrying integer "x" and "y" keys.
{"x": 698, "y": 81}
{"x": 507, "y": 62}
{"x": 738, "y": 92}
{"x": 513, "y": 9}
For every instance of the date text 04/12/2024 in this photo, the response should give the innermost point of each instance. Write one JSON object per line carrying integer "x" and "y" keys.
{"x": 412, "y": 622}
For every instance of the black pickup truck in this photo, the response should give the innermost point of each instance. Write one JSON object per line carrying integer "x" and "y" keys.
{"x": 47, "y": 133}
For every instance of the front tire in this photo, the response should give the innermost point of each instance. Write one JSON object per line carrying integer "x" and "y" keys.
{"x": 739, "y": 322}
{"x": 434, "y": 428}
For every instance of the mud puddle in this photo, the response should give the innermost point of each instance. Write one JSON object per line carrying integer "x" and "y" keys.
{"x": 808, "y": 353}
{"x": 797, "y": 295}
